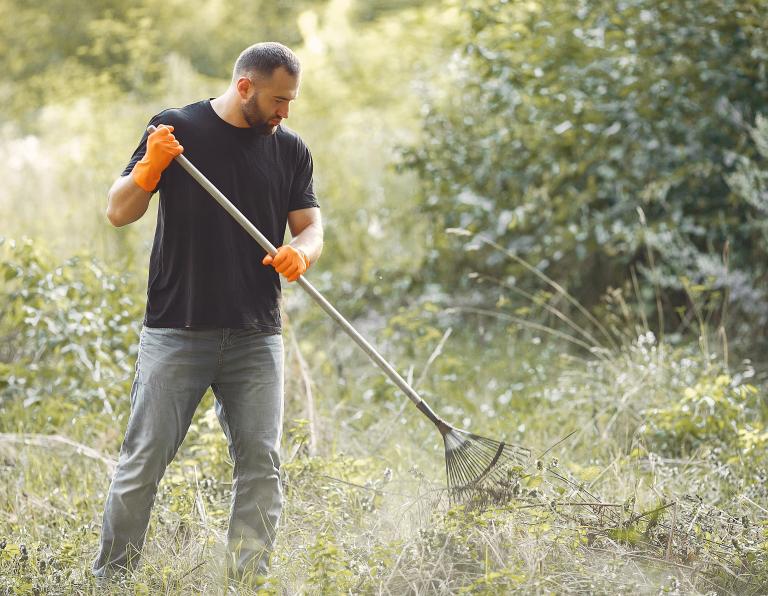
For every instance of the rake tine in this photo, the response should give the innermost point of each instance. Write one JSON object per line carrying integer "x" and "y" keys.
{"x": 481, "y": 462}
{"x": 464, "y": 476}
{"x": 461, "y": 465}
{"x": 476, "y": 477}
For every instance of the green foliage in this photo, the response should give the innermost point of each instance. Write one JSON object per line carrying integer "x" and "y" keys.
{"x": 329, "y": 572}
{"x": 208, "y": 453}
{"x": 58, "y": 51}
{"x": 561, "y": 120}
{"x": 341, "y": 487}
{"x": 713, "y": 412}
{"x": 349, "y": 527}
{"x": 67, "y": 340}
{"x": 749, "y": 183}
{"x": 358, "y": 102}
{"x": 549, "y": 128}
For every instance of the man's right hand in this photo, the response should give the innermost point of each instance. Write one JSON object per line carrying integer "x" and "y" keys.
{"x": 162, "y": 148}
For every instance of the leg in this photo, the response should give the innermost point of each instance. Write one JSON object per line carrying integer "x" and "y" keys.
{"x": 249, "y": 403}
{"x": 173, "y": 370}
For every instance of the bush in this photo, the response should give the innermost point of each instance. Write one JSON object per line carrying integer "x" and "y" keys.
{"x": 561, "y": 120}
{"x": 67, "y": 341}
{"x": 714, "y": 412}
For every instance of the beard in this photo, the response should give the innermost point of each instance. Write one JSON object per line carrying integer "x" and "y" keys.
{"x": 255, "y": 118}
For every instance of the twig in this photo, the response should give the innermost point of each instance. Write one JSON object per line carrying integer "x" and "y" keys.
{"x": 671, "y": 533}
{"x": 640, "y": 516}
{"x": 433, "y": 356}
{"x": 307, "y": 382}
{"x": 45, "y": 505}
{"x": 656, "y": 560}
{"x": 531, "y": 325}
{"x": 551, "y": 447}
{"x": 47, "y": 441}
{"x": 199, "y": 501}
{"x": 636, "y": 287}
{"x": 654, "y": 273}
{"x": 600, "y": 475}
{"x": 378, "y": 491}
{"x": 192, "y": 570}
{"x": 693, "y": 519}
{"x": 554, "y": 285}
{"x": 746, "y": 498}
{"x": 620, "y": 407}
{"x": 397, "y": 564}
{"x": 570, "y": 504}
{"x": 548, "y": 307}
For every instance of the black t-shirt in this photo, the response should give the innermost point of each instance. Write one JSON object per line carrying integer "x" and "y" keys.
{"x": 205, "y": 270}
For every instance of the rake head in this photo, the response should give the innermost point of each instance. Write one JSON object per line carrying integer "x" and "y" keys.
{"x": 477, "y": 467}
{"x": 481, "y": 471}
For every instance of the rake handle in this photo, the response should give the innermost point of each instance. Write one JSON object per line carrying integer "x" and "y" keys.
{"x": 253, "y": 231}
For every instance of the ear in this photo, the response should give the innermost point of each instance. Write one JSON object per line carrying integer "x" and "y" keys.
{"x": 243, "y": 86}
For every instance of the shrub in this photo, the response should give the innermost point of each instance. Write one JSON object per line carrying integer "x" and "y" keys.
{"x": 67, "y": 340}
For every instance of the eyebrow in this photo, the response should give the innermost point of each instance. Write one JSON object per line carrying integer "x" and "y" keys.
{"x": 284, "y": 97}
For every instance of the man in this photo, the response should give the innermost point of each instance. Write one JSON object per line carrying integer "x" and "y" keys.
{"x": 212, "y": 315}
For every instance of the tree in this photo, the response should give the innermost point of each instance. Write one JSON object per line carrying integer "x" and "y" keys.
{"x": 56, "y": 51}
{"x": 561, "y": 120}
{"x": 750, "y": 184}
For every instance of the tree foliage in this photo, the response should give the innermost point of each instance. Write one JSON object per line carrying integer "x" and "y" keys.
{"x": 60, "y": 50}
{"x": 562, "y": 121}
{"x": 749, "y": 183}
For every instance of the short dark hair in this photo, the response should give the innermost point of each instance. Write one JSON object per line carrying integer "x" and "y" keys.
{"x": 263, "y": 58}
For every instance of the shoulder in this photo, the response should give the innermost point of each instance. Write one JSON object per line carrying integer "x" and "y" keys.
{"x": 290, "y": 138}
{"x": 181, "y": 116}
{"x": 293, "y": 147}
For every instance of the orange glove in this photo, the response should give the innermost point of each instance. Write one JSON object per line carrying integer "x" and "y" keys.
{"x": 162, "y": 147}
{"x": 289, "y": 261}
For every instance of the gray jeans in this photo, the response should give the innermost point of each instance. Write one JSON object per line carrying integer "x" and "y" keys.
{"x": 174, "y": 369}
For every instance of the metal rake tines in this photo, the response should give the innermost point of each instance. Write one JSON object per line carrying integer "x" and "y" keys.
{"x": 474, "y": 463}
{"x": 481, "y": 471}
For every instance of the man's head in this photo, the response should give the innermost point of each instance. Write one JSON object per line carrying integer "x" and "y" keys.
{"x": 266, "y": 77}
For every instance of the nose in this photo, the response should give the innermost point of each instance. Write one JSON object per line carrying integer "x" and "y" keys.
{"x": 282, "y": 111}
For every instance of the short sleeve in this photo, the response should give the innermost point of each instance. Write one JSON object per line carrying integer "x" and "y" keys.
{"x": 302, "y": 190}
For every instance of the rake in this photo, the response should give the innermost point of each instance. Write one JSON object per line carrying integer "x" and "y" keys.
{"x": 472, "y": 463}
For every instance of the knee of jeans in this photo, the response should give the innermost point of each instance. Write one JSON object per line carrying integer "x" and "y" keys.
{"x": 258, "y": 462}
{"x": 146, "y": 463}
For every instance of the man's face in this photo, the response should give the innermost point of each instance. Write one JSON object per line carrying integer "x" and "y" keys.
{"x": 268, "y": 100}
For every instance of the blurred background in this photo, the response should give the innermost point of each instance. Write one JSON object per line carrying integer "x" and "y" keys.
{"x": 544, "y": 213}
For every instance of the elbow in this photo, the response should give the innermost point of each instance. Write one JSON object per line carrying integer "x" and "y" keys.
{"x": 113, "y": 217}
{"x": 113, "y": 214}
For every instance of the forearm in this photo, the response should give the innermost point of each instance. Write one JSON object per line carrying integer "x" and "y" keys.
{"x": 127, "y": 201}
{"x": 310, "y": 241}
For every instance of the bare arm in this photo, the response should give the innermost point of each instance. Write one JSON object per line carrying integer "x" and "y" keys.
{"x": 307, "y": 230}
{"x": 127, "y": 201}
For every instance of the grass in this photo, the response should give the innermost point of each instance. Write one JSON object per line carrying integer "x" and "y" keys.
{"x": 377, "y": 522}
{"x": 648, "y": 471}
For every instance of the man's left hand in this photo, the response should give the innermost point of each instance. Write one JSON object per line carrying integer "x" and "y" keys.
{"x": 289, "y": 261}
